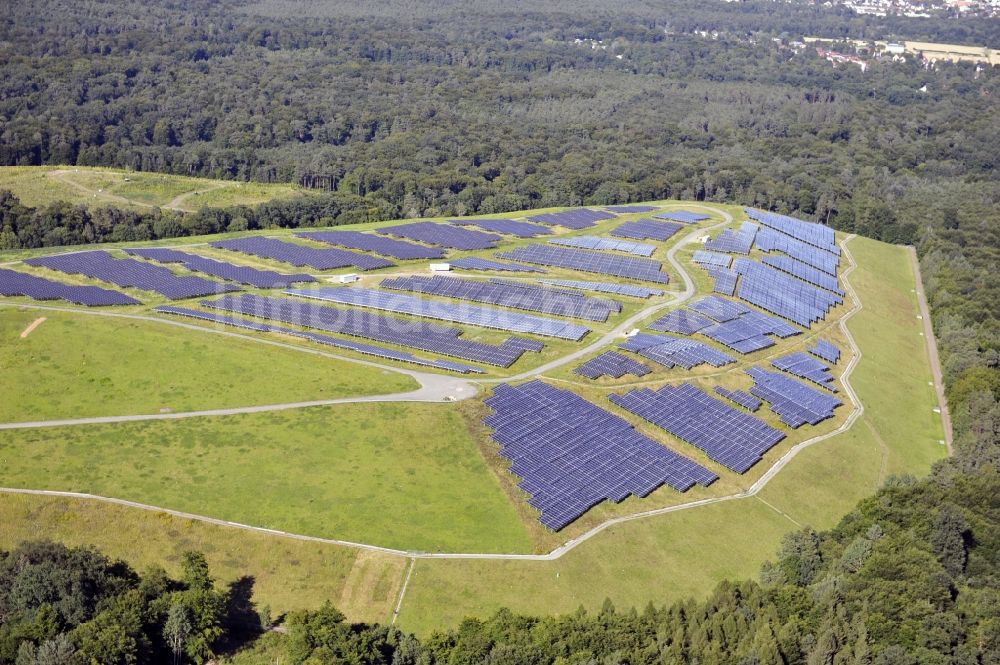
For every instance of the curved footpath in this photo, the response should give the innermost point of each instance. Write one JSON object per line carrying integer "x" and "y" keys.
{"x": 568, "y": 545}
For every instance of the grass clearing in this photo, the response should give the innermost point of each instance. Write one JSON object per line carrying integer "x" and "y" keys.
{"x": 400, "y": 475}
{"x": 96, "y": 187}
{"x": 80, "y": 365}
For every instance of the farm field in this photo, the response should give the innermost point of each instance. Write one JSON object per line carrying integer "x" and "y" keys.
{"x": 95, "y": 187}
{"x": 77, "y": 365}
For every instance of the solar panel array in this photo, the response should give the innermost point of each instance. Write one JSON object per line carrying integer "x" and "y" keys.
{"x": 508, "y": 227}
{"x": 13, "y": 283}
{"x": 782, "y": 294}
{"x": 300, "y": 255}
{"x": 613, "y": 364}
{"x": 804, "y": 366}
{"x": 725, "y": 280}
{"x": 129, "y": 273}
{"x": 814, "y": 234}
{"x": 792, "y": 401}
{"x": 486, "y": 317}
{"x": 749, "y": 331}
{"x": 629, "y": 209}
{"x": 518, "y": 295}
{"x": 606, "y": 244}
{"x": 746, "y": 400}
{"x": 804, "y": 272}
{"x": 713, "y": 259}
{"x": 684, "y": 216}
{"x": 719, "y": 309}
{"x": 571, "y": 454}
{"x": 366, "y": 349}
{"x": 606, "y": 287}
{"x": 674, "y": 351}
{"x": 647, "y": 229}
{"x": 579, "y": 218}
{"x": 681, "y": 321}
{"x": 476, "y": 263}
{"x": 368, "y": 325}
{"x": 825, "y": 350}
{"x": 398, "y": 249}
{"x": 443, "y": 235}
{"x": 580, "y": 259}
{"x": 731, "y": 240}
{"x": 262, "y": 279}
{"x": 772, "y": 241}
{"x": 733, "y": 438}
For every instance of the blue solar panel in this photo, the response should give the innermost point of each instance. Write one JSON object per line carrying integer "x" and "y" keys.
{"x": 368, "y": 325}
{"x": 725, "y": 281}
{"x": 814, "y": 234}
{"x": 586, "y": 261}
{"x": 398, "y": 249}
{"x": 781, "y": 294}
{"x": 683, "y": 216}
{"x": 476, "y": 263}
{"x": 731, "y": 240}
{"x": 598, "y": 243}
{"x": 825, "y": 350}
{"x": 681, "y": 321}
{"x": 749, "y": 331}
{"x": 605, "y": 287}
{"x": 719, "y": 309}
{"x": 804, "y": 272}
{"x": 713, "y": 259}
{"x": 579, "y": 218}
{"x": 675, "y": 351}
{"x": 13, "y": 283}
{"x": 772, "y": 241}
{"x": 262, "y": 279}
{"x": 733, "y": 438}
{"x": 804, "y": 366}
{"x": 571, "y": 454}
{"x": 613, "y": 364}
{"x": 746, "y": 400}
{"x": 444, "y": 235}
{"x": 508, "y": 227}
{"x": 647, "y": 229}
{"x": 131, "y": 273}
{"x": 519, "y": 295}
{"x": 301, "y": 255}
{"x": 366, "y": 349}
{"x": 486, "y": 317}
{"x": 792, "y": 401}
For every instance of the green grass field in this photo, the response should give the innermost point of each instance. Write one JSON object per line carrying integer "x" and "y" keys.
{"x": 79, "y": 365}
{"x": 402, "y": 475}
{"x": 96, "y": 187}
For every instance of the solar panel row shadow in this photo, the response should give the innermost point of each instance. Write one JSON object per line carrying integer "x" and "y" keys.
{"x": 571, "y": 454}
{"x": 13, "y": 283}
{"x": 518, "y": 295}
{"x": 733, "y": 438}
{"x": 129, "y": 273}
{"x": 398, "y": 249}
{"x": 300, "y": 255}
{"x": 376, "y": 327}
{"x": 262, "y": 279}
{"x": 613, "y": 364}
{"x": 485, "y": 317}
{"x": 648, "y": 270}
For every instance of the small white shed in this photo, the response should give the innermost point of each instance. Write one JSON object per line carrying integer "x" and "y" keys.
{"x": 440, "y": 267}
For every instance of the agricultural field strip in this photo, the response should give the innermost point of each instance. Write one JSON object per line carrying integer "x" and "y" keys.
{"x": 569, "y": 545}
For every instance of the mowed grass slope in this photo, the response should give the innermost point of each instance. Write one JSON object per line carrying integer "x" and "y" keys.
{"x": 95, "y": 187}
{"x": 80, "y": 365}
{"x": 400, "y": 475}
{"x": 287, "y": 574}
{"x": 668, "y": 557}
